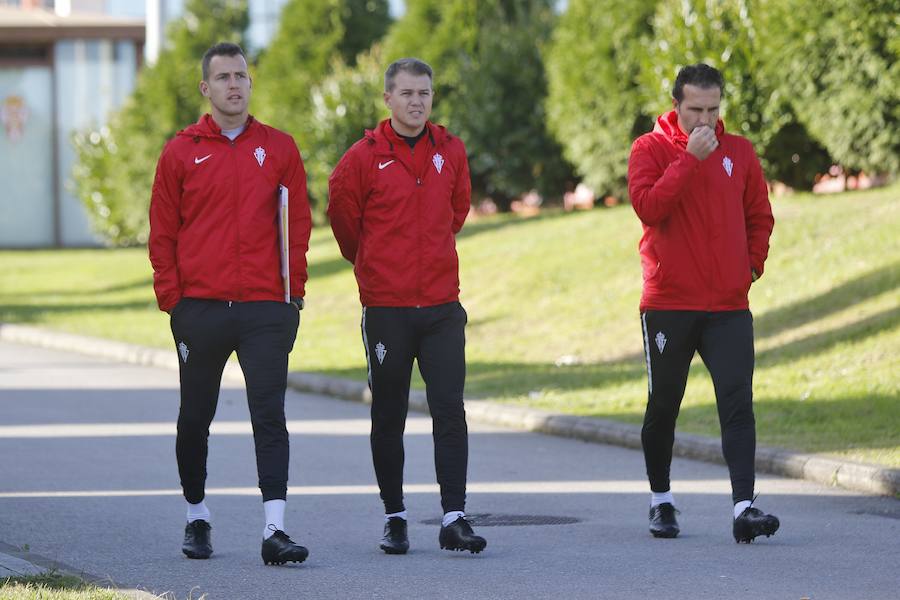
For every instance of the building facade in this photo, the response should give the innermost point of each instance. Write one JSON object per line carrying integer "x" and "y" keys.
{"x": 62, "y": 69}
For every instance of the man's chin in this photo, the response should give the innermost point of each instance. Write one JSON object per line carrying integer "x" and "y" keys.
{"x": 232, "y": 111}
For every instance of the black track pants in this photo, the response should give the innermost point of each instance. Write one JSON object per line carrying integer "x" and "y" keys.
{"x": 435, "y": 337}
{"x": 206, "y": 332}
{"x": 725, "y": 343}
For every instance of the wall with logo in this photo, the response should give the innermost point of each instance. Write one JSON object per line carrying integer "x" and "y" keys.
{"x": 43, "y": 101}
{"x": 26, "y": 156}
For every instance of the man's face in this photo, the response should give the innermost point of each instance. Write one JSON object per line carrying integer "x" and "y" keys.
{"x": 228, "y": 88}
{"x": 409, "y": 102}
{"x": 698, "y": 107}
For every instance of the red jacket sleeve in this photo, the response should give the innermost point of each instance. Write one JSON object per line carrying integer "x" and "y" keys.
{"x": 757, "y": 215}
{"x": 346, "y": 198}
{"x": 165, "y": 222}
{"x": 300, "y": 225}
{"x": 462, "y": 192}
{"x": 655, "y": 189}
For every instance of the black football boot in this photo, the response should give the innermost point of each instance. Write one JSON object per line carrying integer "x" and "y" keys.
{"x": 752, "y": 523}
{"x": 278, "y": 549}
{"x": 458, "y": 535}
{"x": 395, "y": 540}
{"x": 662, "y": 521}
{"x": 197, "y": 542}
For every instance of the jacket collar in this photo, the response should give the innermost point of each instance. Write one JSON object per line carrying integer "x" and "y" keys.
{"x": 206, "y": 127}
{"x": 667, "y": 124}
{"x": 385, "y": 138}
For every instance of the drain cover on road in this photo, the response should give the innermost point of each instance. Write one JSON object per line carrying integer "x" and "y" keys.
{"x": 492, "y": 520}
{"x": 888, "y": 513}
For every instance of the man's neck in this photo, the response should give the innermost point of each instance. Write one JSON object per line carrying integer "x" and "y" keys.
{"x": 228, "y": 122}
{"x": 406, "y": 132}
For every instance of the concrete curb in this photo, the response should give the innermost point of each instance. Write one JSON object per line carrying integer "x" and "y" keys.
{"x": 861, "y": 477}
{"x": 16, "y": 562}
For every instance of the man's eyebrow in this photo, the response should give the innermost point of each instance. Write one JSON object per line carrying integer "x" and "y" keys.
{"x": 219, "y": 74}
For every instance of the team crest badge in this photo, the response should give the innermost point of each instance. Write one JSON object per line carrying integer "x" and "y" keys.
{"x": 438, "y": 161}
{"x": 726, "y": 162}
{"x": 183, "y": 351}
{"x": 260, "y": 154}
{"x": 660, "y": 341}
{"x": 380, "y": 352}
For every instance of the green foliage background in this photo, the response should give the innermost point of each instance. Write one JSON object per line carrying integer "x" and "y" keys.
{"x": 838, "y": 62}
{"x": 595, "y": 103}
{"x": 116, "y": 163}
{"x": 540, "y": 99}
{"x": 317, "y": 40}
{"x": 490, "y": 87}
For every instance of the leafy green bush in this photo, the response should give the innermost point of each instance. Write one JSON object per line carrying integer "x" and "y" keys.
{"x": 345, "y": 104}
{"x": 490, "y": 86}
{"x": 595, "y": 105}
{"x": 728, "y": 35}
{"x": 313, "y": 36}
{"x": 838, "y": 64}
{"x": 115, "y": 167}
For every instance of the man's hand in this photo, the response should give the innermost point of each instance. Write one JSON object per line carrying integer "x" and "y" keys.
{"x": 702, "y": 141}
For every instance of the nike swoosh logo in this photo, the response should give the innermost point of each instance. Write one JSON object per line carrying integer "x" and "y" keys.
{"x": 197, "y": 161}
{"x": 382, "y": 165}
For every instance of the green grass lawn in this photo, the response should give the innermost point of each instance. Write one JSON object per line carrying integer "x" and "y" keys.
{"x": 566, "y": 286}
{"x": 53, "y": 586}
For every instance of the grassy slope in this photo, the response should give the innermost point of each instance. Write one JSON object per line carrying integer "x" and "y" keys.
{"x": 53, "y": 586}
{"x": 827, "y": 317}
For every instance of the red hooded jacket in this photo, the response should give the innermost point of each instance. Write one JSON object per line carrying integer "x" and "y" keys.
{"x": 213, "y": 215}
{"x": 395, "y": 214}
{"x": 706, "y": 223}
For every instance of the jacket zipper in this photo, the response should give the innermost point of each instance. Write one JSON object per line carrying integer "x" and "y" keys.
{"x": 237, "y": 212}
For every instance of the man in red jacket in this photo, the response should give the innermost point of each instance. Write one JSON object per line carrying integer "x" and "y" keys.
{"x": 703, "y": 202}
{"x": 397, "y": 199}
{"x": 214, "y": 246}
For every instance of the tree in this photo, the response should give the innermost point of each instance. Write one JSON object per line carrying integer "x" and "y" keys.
{"x": 727, "y": 35}
{"x": 838, "y": 64}
{"x": 490, "y": 87}
{"x": 312, "y": 35}
{"x": 595, "y": 104}
{"x": 116, "y": 164}
{"x": 345, "y": 104}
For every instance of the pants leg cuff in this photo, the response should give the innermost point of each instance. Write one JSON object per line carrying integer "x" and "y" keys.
{"x": 274, "y": 493}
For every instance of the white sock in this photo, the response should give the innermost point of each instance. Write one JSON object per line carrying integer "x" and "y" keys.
{"x": 401, "y": 514}
{"x": 274, "y": 517}
{"x": 196, "y": 512}
{"x": 661, "y": 498}
{"x": 741, "y": 507}
{"x": 451, "y": 516}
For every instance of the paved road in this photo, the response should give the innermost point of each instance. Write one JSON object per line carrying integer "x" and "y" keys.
{"x": 88, "y": 479}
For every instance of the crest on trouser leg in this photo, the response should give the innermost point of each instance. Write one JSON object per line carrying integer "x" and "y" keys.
{"x": 660, "y": 341}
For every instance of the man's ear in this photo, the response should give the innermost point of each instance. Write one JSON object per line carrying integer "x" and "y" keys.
{"x": 204, "y": 88}
{"x": 386, "y": 96}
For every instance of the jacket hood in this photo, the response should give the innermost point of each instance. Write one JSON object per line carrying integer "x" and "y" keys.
{"x": 385, "y": 137}
{"x": 206, "y": 127}
{"x": 667, "y": 124}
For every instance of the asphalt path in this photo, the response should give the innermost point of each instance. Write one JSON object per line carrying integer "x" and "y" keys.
{"x": 88, "y": 479}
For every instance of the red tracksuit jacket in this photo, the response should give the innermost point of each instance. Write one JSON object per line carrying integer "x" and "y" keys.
{"x": 395, "y": 214}
{"x": 213, "y": 215}
{"x": 706, "y": 223}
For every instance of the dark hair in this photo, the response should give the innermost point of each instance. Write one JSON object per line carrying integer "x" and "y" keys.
{"x": 220, "y": 49}
{"x": 413, "y": 66}
{"x": 701, "y": 75}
